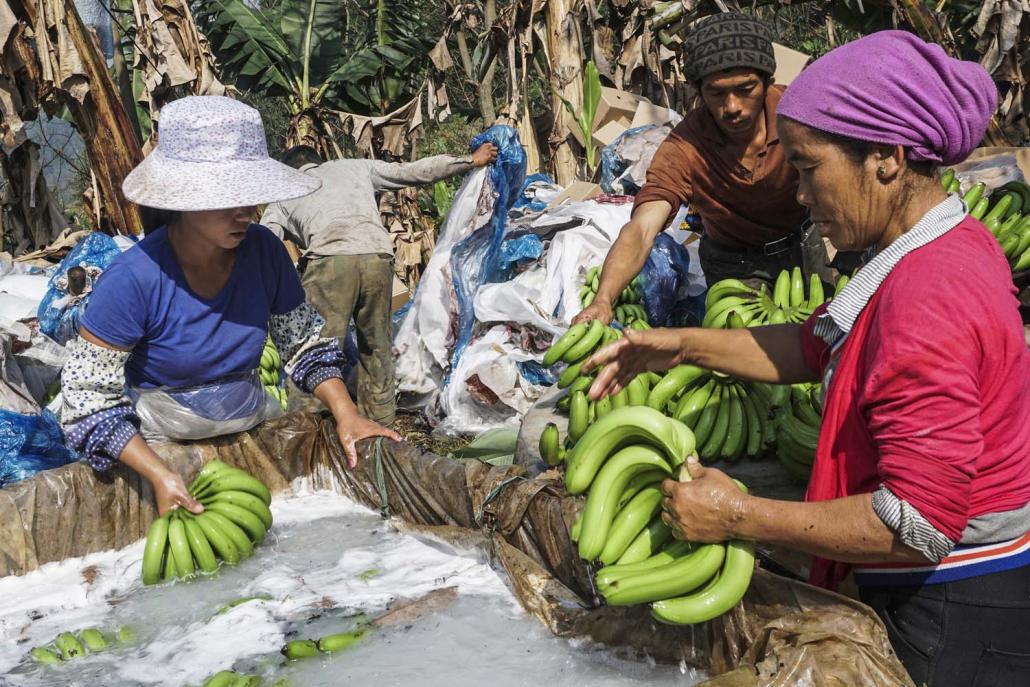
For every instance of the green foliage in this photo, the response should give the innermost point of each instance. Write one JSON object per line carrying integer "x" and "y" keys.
{"x": 585, "y": 117}
{"x": 317, "y": 52}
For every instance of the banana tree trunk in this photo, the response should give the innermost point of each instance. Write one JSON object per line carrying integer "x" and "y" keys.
{"x": 565, "y": 48}
{"x": 307, "y": 128}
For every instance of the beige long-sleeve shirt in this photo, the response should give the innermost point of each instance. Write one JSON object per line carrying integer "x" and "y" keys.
{"x": 342, "y": 217}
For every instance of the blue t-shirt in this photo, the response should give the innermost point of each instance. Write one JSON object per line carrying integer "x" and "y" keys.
{"x": 143, "y": 302}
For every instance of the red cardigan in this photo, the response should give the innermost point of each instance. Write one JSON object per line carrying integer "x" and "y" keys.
{"x": 931, "y": 392}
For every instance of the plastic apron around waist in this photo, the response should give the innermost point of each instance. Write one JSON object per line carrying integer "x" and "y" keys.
{"x": 228, "y": 405}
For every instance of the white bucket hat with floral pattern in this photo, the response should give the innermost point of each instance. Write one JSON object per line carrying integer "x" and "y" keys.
{"x": 211, "y": 155}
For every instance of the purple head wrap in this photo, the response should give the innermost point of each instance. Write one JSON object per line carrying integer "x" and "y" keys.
{"x": 892, "y": 87}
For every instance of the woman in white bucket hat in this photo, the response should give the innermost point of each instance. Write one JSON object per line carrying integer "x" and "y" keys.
{"x": 173, "y": 335}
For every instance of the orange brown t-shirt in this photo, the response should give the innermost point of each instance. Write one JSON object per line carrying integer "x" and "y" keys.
{"x": 697, "y": 165}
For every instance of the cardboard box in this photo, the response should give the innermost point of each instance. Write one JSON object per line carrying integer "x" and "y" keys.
{"x": 575, "y": 192}
{"x": 401, "y": 295}
{"x": 607, "y": 134}
{"x": 614, "y": 106}
{"x": 649, "y": 113}
{"x": 789, "y": 64}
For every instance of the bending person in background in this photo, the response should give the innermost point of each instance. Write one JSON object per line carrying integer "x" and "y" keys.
{"x": 725, "y": 161}
{"x": 347, "y": 266}
{"x": 921, "y": 480}
{"x": 172, "y": 338}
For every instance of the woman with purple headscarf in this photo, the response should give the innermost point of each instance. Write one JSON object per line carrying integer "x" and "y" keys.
{"x": 921, "y": 481}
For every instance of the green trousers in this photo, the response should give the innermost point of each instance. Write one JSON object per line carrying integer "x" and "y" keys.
{"x": 343, "y": 287}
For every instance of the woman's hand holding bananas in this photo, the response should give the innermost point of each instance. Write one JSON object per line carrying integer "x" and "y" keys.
{"x": 705, "y": 509}
{"x": 654, "y": 350}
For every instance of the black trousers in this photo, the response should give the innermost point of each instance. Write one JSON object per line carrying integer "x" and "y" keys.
{"x": 760, "y": 265}
{"x": 970, "y": 633}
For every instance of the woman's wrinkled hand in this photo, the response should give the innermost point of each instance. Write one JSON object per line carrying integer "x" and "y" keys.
{"x": 171, "y": 493}
{"x": 653, "y": 350}
{"x": 354, "y": 428}
{"x": 706, "y": 509}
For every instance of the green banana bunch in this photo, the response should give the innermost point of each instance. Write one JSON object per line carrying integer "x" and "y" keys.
{"x": 66, "y": 647}
{"x": 617, "y": 429}
{"x": 729, "y": 418}
{"x": 270, "y": 371}
{"x": 797, "y": 429}
{"x": 685, "y": 583}
{"x": 235, "y": 518}
{"x": 229, "y": 678}
{"x": 732, "y": 304}
{"x": 627, "y": 308}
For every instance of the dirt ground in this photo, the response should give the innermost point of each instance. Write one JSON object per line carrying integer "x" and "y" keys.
{"x": 413, "y": 428}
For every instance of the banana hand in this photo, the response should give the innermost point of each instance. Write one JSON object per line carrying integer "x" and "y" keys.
{"x": 654, "y": 350}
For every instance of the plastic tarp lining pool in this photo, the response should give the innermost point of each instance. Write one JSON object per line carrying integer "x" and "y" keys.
{"x": 783, "y": 633}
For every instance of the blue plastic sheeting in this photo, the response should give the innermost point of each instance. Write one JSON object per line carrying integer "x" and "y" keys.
{"x": 665, "y": 272}
{"x": 30, "y": 444}
{"x": 525, "y": 201}
{"x": 60, "y": 321}
{"x": 524, "y": 247}
{"x": 535, "y": 373}
{"x": 612, "y": 166}
{"x": 475, "y": 260}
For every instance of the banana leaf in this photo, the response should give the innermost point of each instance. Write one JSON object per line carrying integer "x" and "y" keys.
{"x": 494, "y": 447}
{"x": 249, "y": 46}
{"x": 315, "y": 29}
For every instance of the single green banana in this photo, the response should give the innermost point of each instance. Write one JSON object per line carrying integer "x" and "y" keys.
{"x": 841, "y": 283}
{"x": 606, "y": 490}
{"x": 247, "y": 681}
{"x": 630, "y": 425}
{"x": 719, "y": 596}
{"x": 180, "y": 549}
{"x": 947, "y": 177}
{"x": 69, "y": 646}
{"x": 44, "y": 656}
{"x": 735, "y": 321}
{"x": 797, "y": 287}
{"x": 641, "y": 481}
{"x": 223, "y": 678}
{"x": 153, "y": 551}
{"x": 219, "y": 540}
{"x": 549, "y": 441}
{"x": 564, "y": 343}
{"x": 237, "y": 480}
{"x": 778, "y": 317}
{"x": 816, "y": 296}
{"x": 629, "y": 522}
{"x": 1022, "y": 263}
{"x": 241, "y": 498}
{"x": 569, "y": 375}
{"x": 1000, "y": 210}
{"x": 674, "y": 579}
{"x": 621, "y": 399}
{"x": 675, "y": 380}
{"x": 235, "y": 533}
{"x": 589, "y": 299}
{"x": 647, "y": 543}
{"x": 753, "y": 446}
{"x": 579, "y": 416}
{"x": 980, "y": 209}
{"x": 636, "y": 391}
{"x": 602, "y": 408}
{"x": 299, "y": 648}
{"x": 243, "y": 518}
{"x": 693, "y": 403}
{"x": 582, "y": 383}
{"x": 711, "y": 448}
{"x": 974, "y": 194}
{"x": 727, "y": 287}
{"x": 706, "y": 420}
{"x": 339, "y": 642}
{"x": 736, "y": 434}
{"x": 672, "y": 551}
{"x": 586, "y": 344}
{"x": 93, "y": 639}
{"x": 781, "y": 291}
{"x": 576, "y": 529}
